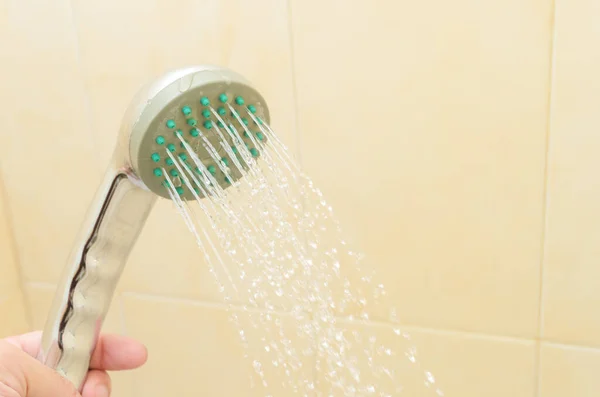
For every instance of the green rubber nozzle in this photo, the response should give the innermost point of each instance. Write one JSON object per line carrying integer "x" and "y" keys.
{"x": 173, "y": 117}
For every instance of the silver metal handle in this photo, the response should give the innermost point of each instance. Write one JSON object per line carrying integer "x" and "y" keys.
{"x": 111, "y": 228}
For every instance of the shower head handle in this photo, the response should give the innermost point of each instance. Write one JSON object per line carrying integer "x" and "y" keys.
{"x": 88, "y": 282}
{"x": 131, "y": 185}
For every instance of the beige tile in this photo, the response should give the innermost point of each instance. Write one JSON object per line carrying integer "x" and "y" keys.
{"x": 12, "y": 311}
{"x": 251, "y": 38}
{"x": 8, "y": 267}
{"x": 569, "y": 371}
{"x": 426, "y": 363}
{"x": 47, "y": 159}
{"x": 166, "y": 259}
{"x": 424, "y": 123}
{"x": 194, "y": 349}
{"x": 39, "y": 297}
{"x": 571, "y": 273}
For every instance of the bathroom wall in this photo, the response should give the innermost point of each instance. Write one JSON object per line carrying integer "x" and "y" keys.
{"x": 14, "y": 317}
{"x": 457, "y": 142}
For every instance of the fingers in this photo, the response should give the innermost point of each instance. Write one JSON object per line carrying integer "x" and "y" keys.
{"x": 22, "y": 373}
{"x": 112, "y": 353}
{"x": 115, "y": 353}
{"x": 97, "y": 384}
{"x": 29, "y": 343}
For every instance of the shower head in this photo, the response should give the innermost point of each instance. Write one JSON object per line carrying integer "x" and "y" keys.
{"x": 190, "y": 121}
{"x": 186, "y": 107}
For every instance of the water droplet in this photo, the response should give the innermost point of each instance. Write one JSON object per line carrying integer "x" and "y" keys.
{"x": 257, "y": 366}
{"x": 411, "y": 355}
{"x": 429, "y": 377}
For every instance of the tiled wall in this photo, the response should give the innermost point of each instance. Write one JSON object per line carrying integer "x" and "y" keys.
{"x": 14, "y": 316}
{"x": 456, "y": 140}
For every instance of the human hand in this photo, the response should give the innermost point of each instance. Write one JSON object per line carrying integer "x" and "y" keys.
{"x": 21, "y": 375}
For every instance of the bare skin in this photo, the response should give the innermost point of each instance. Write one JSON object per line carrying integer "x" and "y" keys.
{"x": 21, "y": 375}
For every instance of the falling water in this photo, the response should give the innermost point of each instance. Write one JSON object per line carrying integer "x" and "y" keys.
{"x": 274, "y": 246}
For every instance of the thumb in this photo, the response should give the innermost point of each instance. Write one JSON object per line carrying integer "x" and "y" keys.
{"x": 21, "y": 373}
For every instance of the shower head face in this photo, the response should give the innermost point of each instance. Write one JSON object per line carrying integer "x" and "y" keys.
{"x": 191, "y": 125}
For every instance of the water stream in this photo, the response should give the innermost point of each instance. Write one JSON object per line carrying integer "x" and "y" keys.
{"x": 274, "y": 246}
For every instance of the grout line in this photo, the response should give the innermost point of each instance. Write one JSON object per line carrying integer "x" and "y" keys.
{"x": 443, "y": 331}
{"x": 10, "y": 222}
{"x": 240, "y": 307}
{"x": 198, "y": 303}
{"x": 87, "y": 103}
{"x": 294, "y": 83}
{"x": 372, "y": 323}
{"x": 546, "y": 198}
{"x": 40, "y": 284}
{"x": 568, "y": 346}
{"x": 298, "y": 151}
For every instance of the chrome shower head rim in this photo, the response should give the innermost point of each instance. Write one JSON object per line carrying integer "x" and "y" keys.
{"x": 162, "y": 102}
